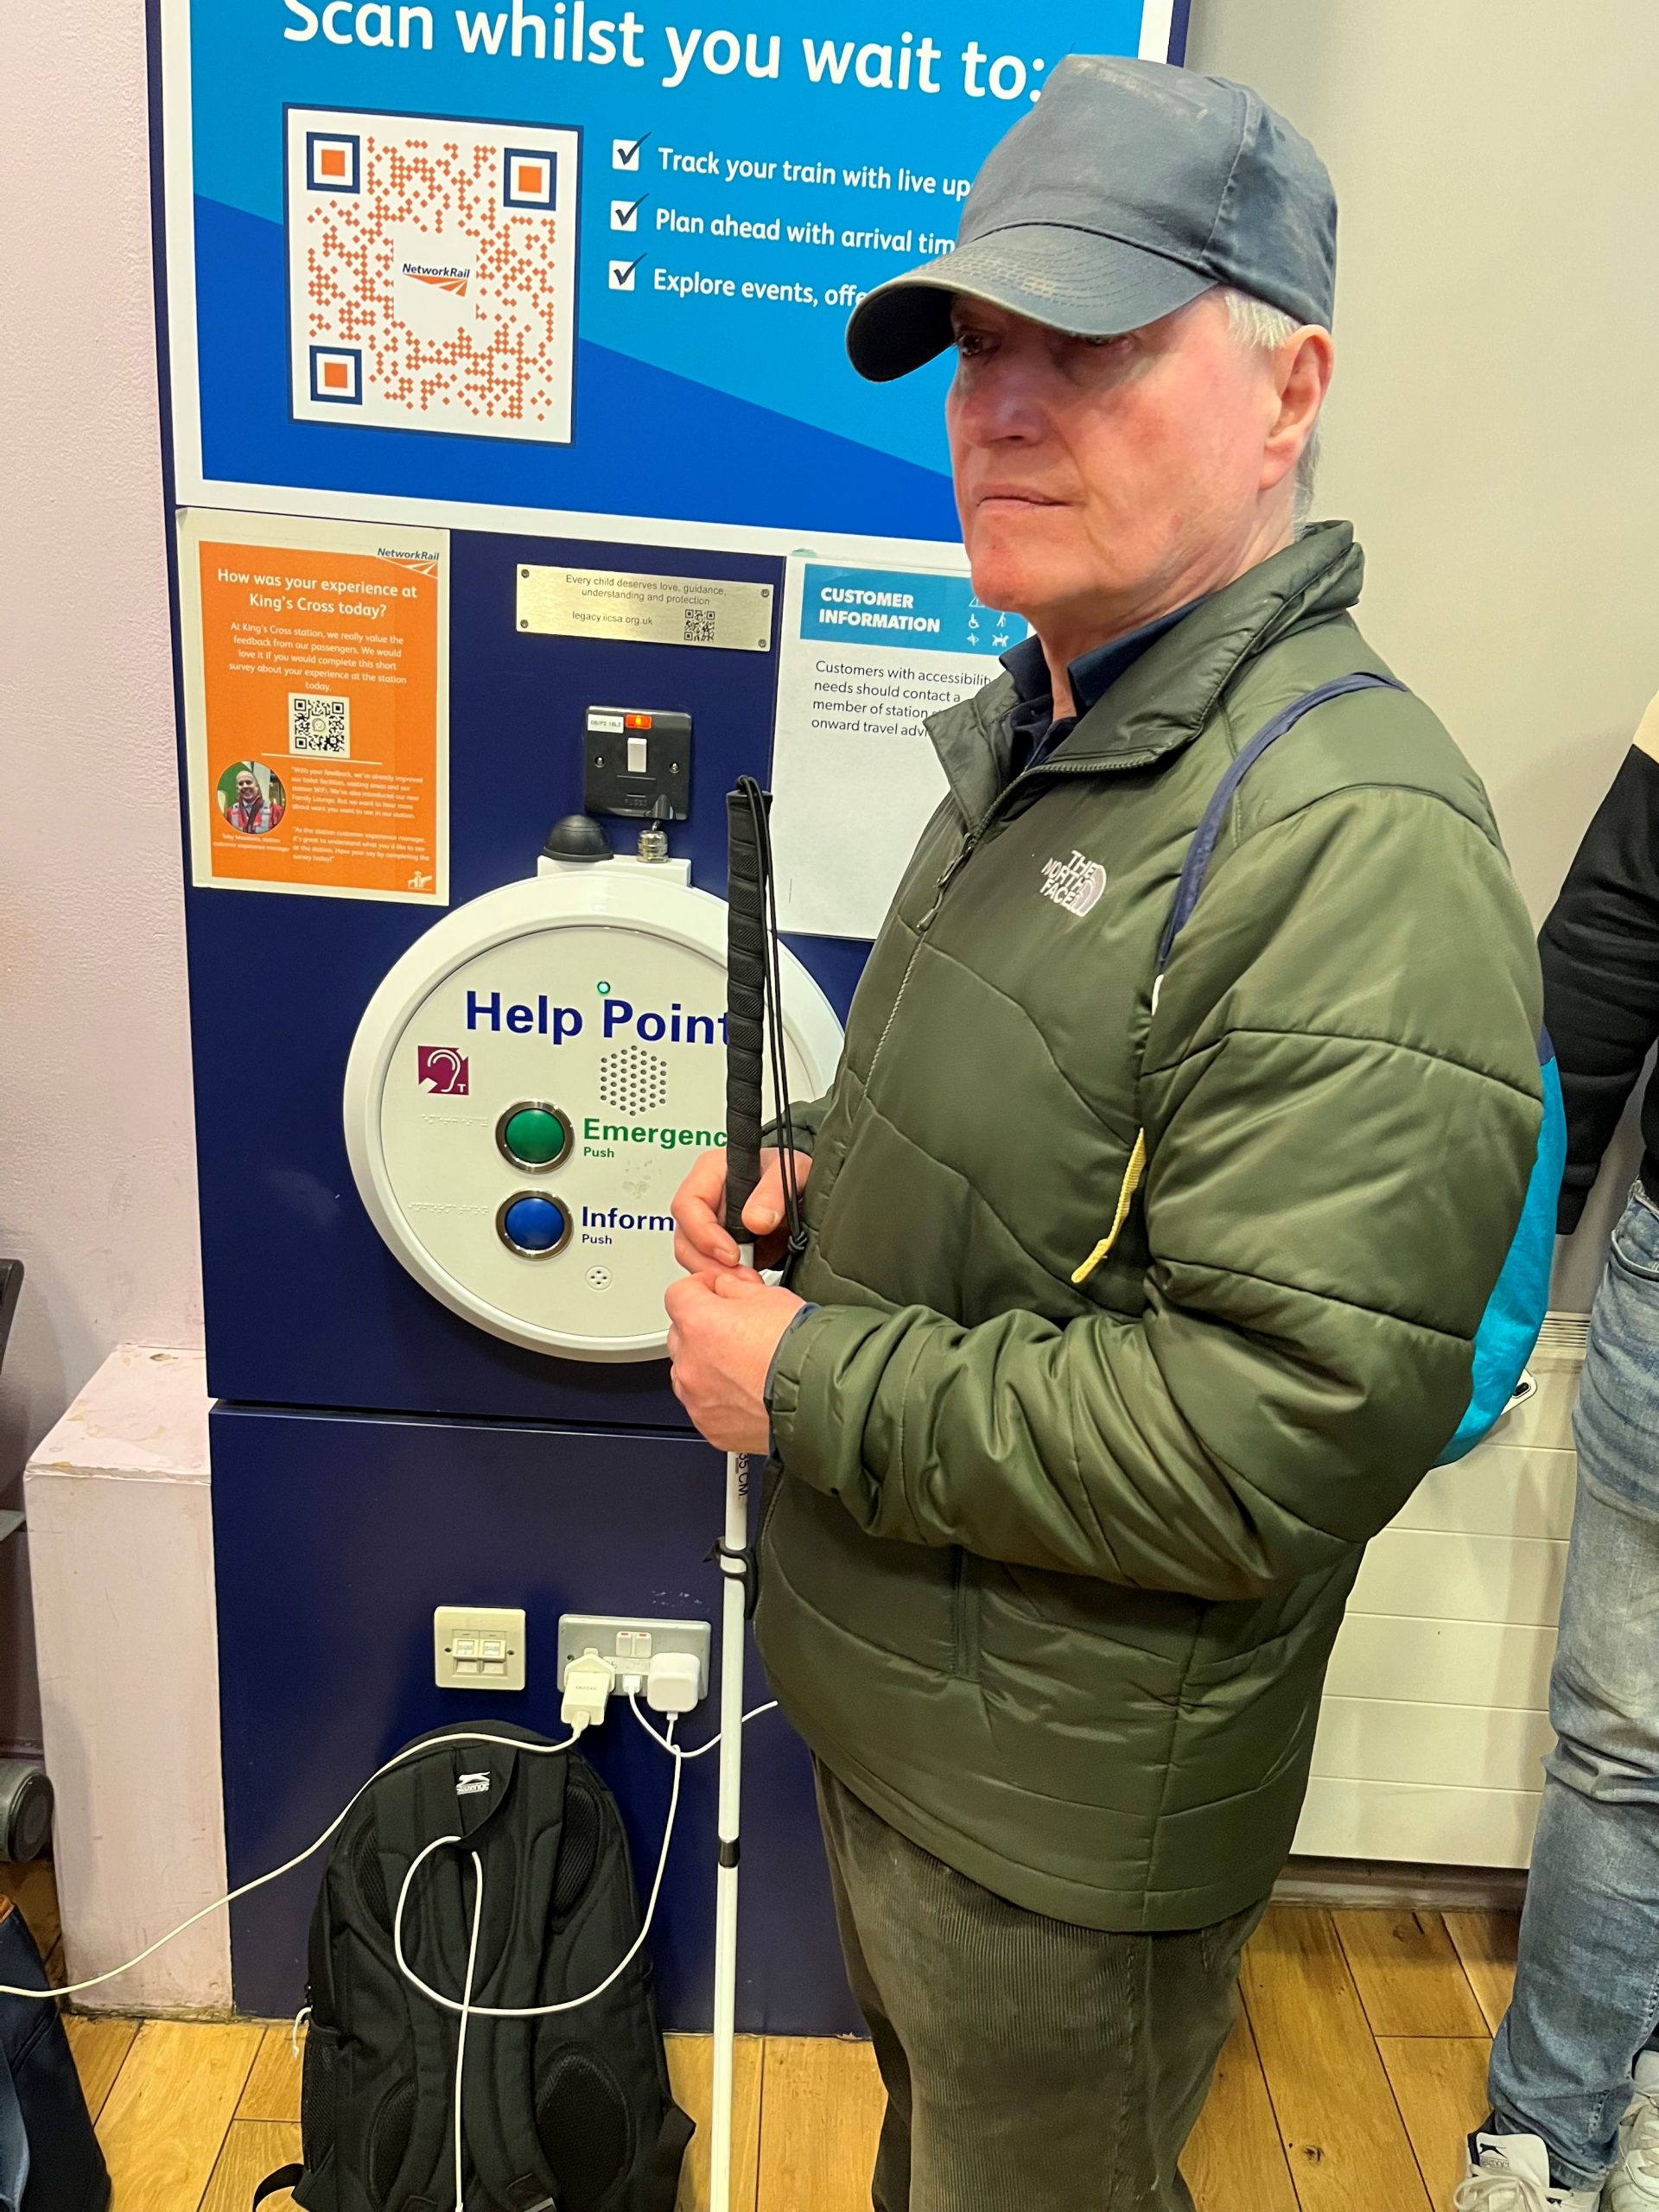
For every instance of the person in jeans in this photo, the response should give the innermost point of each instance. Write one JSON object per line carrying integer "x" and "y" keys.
{"x": 1135, "y": 1298}
{"x": 1575, "y": 2067}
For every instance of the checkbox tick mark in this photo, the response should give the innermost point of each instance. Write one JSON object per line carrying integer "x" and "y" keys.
{"x": 623, "y": 274}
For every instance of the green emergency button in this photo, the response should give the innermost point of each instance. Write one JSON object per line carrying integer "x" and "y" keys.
{"x": 534, "y": 1135}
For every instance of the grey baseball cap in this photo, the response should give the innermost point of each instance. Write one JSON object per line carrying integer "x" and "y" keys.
{"x": 1130, "y": 187}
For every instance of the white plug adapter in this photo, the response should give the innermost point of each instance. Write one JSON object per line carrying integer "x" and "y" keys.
{"x": 589, "y": 1683}
{"x": 675, "y": 1682}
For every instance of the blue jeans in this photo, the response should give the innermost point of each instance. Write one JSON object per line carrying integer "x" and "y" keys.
{"x": 1586, "y": 1995}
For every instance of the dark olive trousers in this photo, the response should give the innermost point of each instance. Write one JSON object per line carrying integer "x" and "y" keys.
{"x": 1030, "y": 2066}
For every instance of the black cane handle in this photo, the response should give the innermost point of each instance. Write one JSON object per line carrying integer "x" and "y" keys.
{"x": 745, "y": 1002}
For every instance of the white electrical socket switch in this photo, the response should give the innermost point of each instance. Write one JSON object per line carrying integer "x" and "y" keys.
{"x": 631, "y": 1644}
{"x": 478, "y": 1647}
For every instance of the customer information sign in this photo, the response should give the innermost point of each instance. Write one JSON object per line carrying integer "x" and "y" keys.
{"x": 532, "y": 261}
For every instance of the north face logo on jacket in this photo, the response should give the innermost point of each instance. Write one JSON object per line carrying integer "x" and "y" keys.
{"x": 1076, "y": 884}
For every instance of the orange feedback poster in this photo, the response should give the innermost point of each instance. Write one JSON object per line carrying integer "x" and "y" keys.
{"x": 316, "y": 706}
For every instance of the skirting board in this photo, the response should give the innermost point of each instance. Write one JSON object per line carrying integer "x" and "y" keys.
{"x": 1378, "y": 1885}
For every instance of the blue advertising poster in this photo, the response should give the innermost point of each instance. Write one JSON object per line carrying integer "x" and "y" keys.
{"x": 541, "y": 259}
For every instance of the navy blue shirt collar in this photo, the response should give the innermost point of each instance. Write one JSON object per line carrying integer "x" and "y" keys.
{"x": 1036, "y": 731}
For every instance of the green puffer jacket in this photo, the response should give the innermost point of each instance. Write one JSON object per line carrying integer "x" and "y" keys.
{"x": 1051, "y": 1571}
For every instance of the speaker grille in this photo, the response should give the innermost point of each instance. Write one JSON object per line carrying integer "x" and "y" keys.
{"x": 634, "y": 1081}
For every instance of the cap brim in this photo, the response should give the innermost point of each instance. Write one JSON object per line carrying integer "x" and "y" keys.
{"x": 1068, "y": 279}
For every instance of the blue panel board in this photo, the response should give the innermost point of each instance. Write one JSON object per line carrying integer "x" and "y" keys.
{"x": 333, "y": 1540}
{"x": 305, "y": 1305}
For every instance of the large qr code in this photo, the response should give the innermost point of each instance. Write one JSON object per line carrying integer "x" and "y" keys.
{"x": 319, "y": 730}
{"x": 431, "y": 273}
{"x": 699, "y": 626}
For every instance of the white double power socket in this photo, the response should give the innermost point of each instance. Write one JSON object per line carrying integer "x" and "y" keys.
{"x": 629, "y": 1645}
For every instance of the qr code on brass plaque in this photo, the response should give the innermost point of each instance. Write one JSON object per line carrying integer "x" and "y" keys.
{"x": 431, "y": 271}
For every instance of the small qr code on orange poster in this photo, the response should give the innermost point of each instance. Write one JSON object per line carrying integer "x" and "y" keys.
{"x": 431, "y": 270}
{"x": 320, "y": 729}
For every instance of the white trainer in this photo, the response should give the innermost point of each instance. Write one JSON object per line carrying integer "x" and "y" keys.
{"x": 1510, "y": 2173}
{"x": 1634, "y": 2186}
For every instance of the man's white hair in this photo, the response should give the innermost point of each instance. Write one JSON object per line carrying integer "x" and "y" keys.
{"x": 1256, "y": 324}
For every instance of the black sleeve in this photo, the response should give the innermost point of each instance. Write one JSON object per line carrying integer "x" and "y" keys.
{"x": 1600, "y": 954}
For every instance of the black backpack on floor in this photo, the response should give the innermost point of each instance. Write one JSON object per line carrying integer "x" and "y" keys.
{"x": 49, "y": 2158}
{"x": 571, "y": 2112}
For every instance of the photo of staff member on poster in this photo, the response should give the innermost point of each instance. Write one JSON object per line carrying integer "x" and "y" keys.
{"x": 252, "y": 797}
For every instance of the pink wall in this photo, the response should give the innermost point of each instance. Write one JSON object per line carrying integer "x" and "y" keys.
{"x": 96, "y": 1172}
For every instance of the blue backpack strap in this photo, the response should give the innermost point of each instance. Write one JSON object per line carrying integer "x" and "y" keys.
{"x": 1194, "y": 869}
{"x": 1202, "y": 849}
{"x": 1515, "y": 1315}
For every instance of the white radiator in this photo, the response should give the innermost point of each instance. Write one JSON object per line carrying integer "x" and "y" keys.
{"x": 1436, "y": 1710}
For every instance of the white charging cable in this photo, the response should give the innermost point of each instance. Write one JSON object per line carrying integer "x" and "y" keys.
{"x": 460, "y": 2036}
{"x": 759, "y": 1712}
{"x": 465, "y": 2008}
{"x": 568, "y": 2004}
{"x": 410, "y": 1752}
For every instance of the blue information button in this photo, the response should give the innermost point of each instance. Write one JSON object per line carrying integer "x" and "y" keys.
{"x": 534, "y": 1226}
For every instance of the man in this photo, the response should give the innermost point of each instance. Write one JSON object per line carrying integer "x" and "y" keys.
{"x": 251, "y": 809}
{"x": 1575, "y": 2077}
{"x": 1075, "y": 1467}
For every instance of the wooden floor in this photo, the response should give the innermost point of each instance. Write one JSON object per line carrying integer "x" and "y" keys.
{"x": 1357, "y": 2066}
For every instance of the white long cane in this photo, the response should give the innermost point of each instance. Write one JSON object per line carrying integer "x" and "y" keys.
{"x": 745, "y": 1056}
{"x": 733, "y": 1642}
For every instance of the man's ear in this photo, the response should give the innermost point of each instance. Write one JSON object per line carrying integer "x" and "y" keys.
{"x": 1302, "y": 369}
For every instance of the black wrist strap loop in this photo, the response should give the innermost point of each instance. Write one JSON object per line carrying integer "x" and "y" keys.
{"x": 741, "y": 1566}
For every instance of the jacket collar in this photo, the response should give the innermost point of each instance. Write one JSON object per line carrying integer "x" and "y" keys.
{"x": 1162, "y": 702}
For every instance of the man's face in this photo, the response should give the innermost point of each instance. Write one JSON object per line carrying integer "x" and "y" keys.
{"x": 247, "y": 790}
{"x": 1097, "y": 477}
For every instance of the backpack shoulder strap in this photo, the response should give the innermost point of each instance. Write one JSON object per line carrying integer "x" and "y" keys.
{"x": 273, "y": 2184}
{"x": 1201, "y": 851}
{"x": 1194, "y": 869}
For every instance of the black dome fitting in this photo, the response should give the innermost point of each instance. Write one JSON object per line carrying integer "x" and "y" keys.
{"x": 577, "y": 837}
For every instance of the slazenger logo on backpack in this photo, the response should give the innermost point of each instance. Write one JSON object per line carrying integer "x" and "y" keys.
{"x": 473, "y": 1785}
{"x": 1076, "y": 884}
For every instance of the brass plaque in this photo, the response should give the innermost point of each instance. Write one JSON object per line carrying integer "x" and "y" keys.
{"x": 649, "y": 610}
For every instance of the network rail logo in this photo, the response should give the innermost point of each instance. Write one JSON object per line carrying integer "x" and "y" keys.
{"x": 443, "y": 277}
